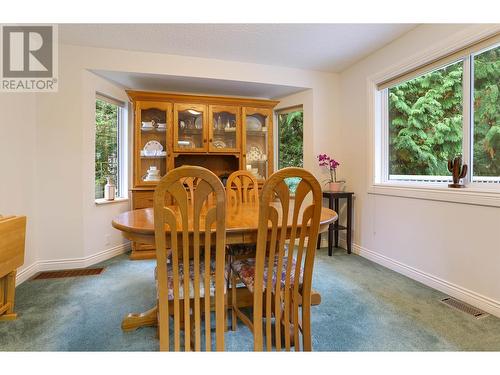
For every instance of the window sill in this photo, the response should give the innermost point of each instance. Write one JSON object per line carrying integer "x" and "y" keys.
{"x": 103, "y": 201}
{"x": 439, "y": 192}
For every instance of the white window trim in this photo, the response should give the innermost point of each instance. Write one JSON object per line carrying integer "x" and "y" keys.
{"x": 103, "y": 201}
{"x": 473, "y": 194}
{"x": 122, "y": 149}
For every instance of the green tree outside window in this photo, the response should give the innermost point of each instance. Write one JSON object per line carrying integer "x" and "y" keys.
{"x": 425, "y": 119}
{"x": 106, "y": 145}
{"x": 291, "y": 143}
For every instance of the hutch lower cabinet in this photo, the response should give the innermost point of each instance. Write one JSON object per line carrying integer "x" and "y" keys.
{"x": 223, "y": 134}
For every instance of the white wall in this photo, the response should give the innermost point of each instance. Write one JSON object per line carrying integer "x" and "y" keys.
{"x": 321, "y": 122}
{"x": 98, "y": 235}
{"x": 18, "y": 163}
{"x": 70, "y": 230}
{"x": 452, "y": 247}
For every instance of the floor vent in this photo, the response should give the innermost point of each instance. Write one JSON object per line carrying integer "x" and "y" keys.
{"x": 68, "y": 273}
{"x": 464, "y": 307}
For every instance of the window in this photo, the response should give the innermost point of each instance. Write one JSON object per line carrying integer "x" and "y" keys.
{"x": 108, "y": 145}
{"x": 486, "y": 135}
{"x": 290, "y": 141}
{"x": 443, "y": 110}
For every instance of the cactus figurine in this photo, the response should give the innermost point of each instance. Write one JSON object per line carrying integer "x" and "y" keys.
{"x": 458, "y": 171}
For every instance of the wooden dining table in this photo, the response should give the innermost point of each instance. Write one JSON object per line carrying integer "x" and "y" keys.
{"x": 241, "y": 228}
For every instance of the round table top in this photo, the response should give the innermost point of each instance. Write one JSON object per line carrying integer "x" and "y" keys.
{"x": 239, "y": 218}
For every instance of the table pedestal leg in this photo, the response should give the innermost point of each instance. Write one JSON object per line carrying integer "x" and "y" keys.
{"x": 146, "y": 319}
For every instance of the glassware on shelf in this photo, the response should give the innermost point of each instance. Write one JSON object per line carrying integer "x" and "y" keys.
{"x": 257, "y": 144}
{"x": 152, "y": 140}
{"x": 152, "y": 174}
{"x": 189, "y": 133}
{"x": 223, "y": 127}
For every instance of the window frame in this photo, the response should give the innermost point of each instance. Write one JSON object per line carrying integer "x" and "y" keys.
{"x": 382, "y": 175}
{"x": 121, "y": 182}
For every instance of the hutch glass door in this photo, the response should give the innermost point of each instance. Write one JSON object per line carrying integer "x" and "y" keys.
{"x": 256, "y": 158}
{"x": 224, "y": 129}
{"x": 190, "y": 133}
{"x": 151, "y": 141}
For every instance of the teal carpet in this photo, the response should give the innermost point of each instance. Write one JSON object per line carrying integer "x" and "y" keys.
{"x": 365, "y": 307}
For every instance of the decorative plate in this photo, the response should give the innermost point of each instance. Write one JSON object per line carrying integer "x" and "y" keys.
{"x": 219, "y": 143}
{"x": 254, "y": 153}
{"x": 153, "y": 146}
{"x": 253, "y": 123}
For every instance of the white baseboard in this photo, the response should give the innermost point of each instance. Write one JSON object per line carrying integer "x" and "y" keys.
{"x": 26, "y": 273}
{"x": 64, "y": 264}
{"x": 472, "y": 298}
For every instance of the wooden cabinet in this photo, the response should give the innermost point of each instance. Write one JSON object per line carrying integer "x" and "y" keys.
{"x": 223, "y": 134}
{"x": 142, "y": 199}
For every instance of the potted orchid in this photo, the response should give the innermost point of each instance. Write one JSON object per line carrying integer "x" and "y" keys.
{"x": 331, "y": 164}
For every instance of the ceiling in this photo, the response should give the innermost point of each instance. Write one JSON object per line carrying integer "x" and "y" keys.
{"x": 320, "y": 47}
{"x": 164, "y": 82}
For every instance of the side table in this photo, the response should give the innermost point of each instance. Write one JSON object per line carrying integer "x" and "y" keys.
{"x": 334, "y": 228}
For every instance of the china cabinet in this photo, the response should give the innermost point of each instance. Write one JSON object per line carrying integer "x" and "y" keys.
{"x": 223, "y": 134}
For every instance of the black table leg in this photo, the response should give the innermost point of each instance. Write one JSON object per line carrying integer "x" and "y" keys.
{"x": 318, "y": 245}
{"x": 330, "y": 229}
{"x": 349, "y": 223}
{"x": 336, "y": 225}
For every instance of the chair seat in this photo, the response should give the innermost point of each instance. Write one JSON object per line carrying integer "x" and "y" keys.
{"x": 170, "y": 280}
{"x": 244, "y": 269}
{"x": 241, "y": 250}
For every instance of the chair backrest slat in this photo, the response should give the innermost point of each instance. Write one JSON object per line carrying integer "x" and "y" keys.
{"x": 190, "y": 225}
{"x": 288, "y": 287}
{"x": 242, "y": 187}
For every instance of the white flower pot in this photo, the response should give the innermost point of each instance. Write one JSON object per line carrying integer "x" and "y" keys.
{"x": 335, "y": 186}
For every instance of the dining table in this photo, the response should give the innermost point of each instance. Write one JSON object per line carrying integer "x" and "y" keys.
{"x": 241, "y": 228}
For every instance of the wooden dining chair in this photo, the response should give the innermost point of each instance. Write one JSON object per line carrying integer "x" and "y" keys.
{"x": 242, "y": 186}
{"x": 280, "y": 281}
{"x": 191, "y": 283}
{"x": 189, "y": 184}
